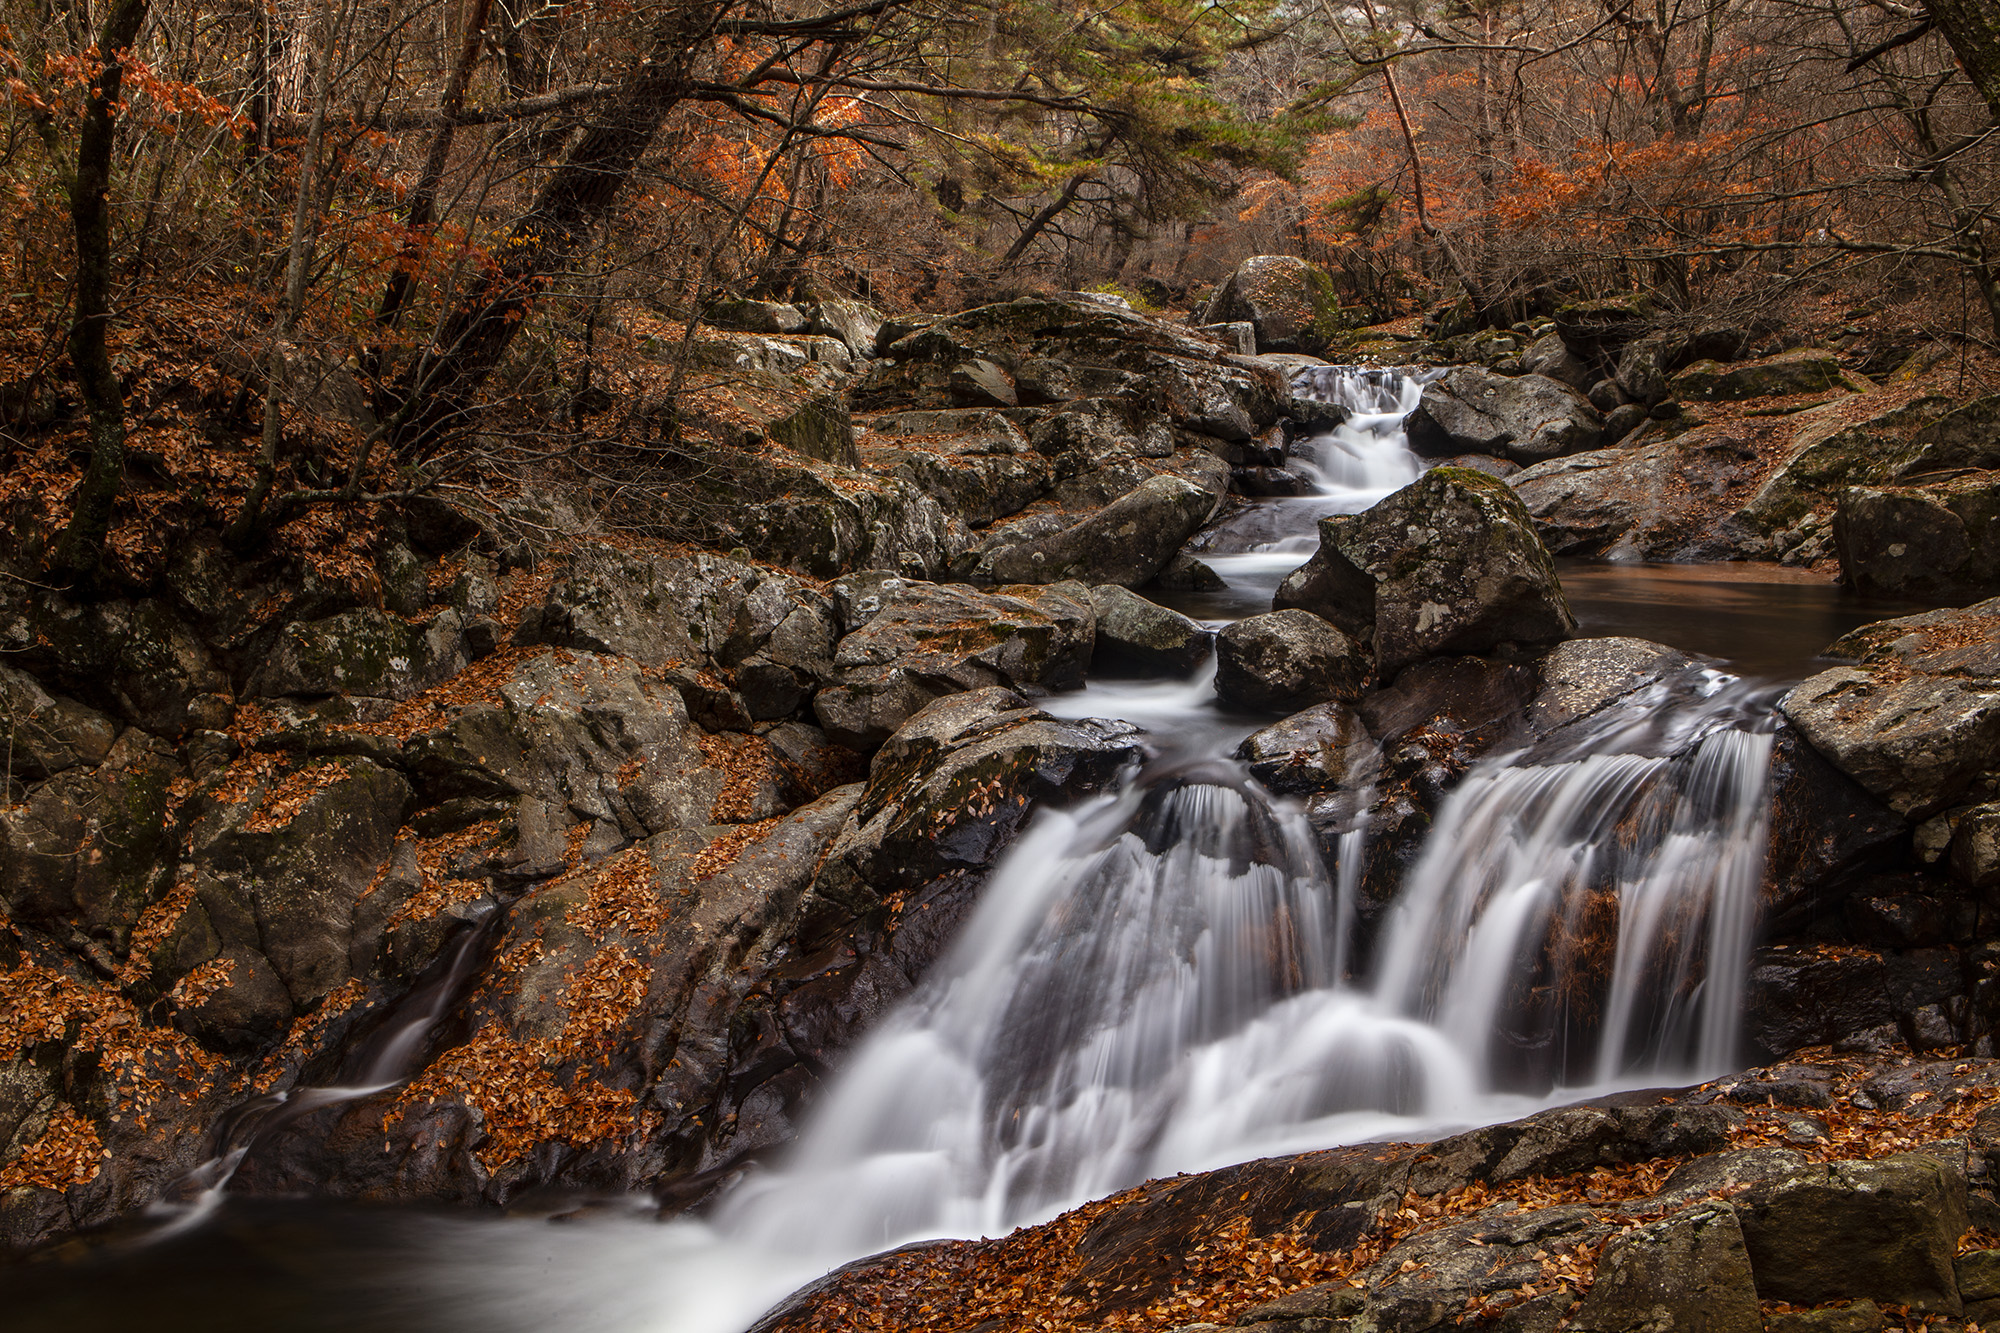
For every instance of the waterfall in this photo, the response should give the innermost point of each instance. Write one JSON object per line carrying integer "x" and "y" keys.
{"x": 1169, "y": 980}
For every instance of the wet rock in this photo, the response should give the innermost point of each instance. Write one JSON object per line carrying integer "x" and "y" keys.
{"x": 1939, "y": 541}
{"x": 1886, "y": 1230}
{"x": 1806, "y": 370}
{"x": 1449, "y": 564}
{"x": 1917, "y": 718}
{"x": 1478, "y": 1265}
{"x": 1286, "y": 660}
{"x": 1289, "y": 303}
{"x": 1527, "y": 418}
{"x": 950, "y": 789}
{"x": 1799, "y": 997}
{"x": 924, "y": 641}
{"x": 1185, "y": 573}
{"x": 1319, "y": 749}
{"x": 1827, "y": 832}
{"x": 1144, "y": 638}
{"x": 1127, "y": 542}
{"x": 1687, "y": 1271}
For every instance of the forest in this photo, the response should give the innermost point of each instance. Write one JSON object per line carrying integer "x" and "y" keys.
{"x": 989, "y": 665}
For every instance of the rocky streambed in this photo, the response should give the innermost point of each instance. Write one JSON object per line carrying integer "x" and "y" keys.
{"x": 514, "y": 869}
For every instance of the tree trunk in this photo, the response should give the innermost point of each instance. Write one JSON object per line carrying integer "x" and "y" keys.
{"x": 78, "y": 550}
{"x": 436, "y": 395}
{"x": 1973, "y": 29}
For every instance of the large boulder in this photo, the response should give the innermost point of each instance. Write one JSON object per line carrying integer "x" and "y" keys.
{"x": 1135, "y": 636}
{"x": 1939, "y": 541}
{"x": 1449, "y": 564}
{"x": 1916, "y": 719}
{"x": 1688, "y": 1272}
{"x": 1668, "y": 500}
{"x": 1128, "y": 542}
{"x": 1527, "y": 418}
{"x": 1886, "y": 1230}
{"x": 1322, "y": 748}
{"x": 911, "y": 642}
{"x": 1288, "y": 302}
{"x": 976, "y": 459}
{"x": 1895, "y": 434}
{"x": 1283, "y": 661}
{"x": 1805, "y": 370}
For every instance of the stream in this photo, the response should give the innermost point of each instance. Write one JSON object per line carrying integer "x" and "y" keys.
{"x": 1164, "y": 979}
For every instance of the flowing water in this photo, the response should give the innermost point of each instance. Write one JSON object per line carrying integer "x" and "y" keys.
{"x": 1169, "y": 979}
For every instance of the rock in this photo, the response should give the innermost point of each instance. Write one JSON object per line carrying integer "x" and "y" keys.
{"x": 1876, "y": 439}
{"x": 1184, "y": 573}
{"x": 364, "y": 652}
{"x": 923, "y": 641}
{"x": 1642, "y": 372}
{"x": 135, "y": 660}
{"x": 1886, "y": 1230}
{"x": 1144, "y": 638}
{"x": 855, "y": 324}
{"x": 1826, "y": 833}
{"x": 1975, "y": 849}
{"x": 1796, "y": 998}
{"x": 92, "y": 847}
{"x": 1621, "y": 421}
{"x": 819, "y": 426}
{"x": 1917, "y": 718}
{"x": 1596, "y": 330}
{"x": 243, "y": 1005}
{"x": 1549, "y": 357}
{"x": 1859, "y": 1317}
{"x": 1286, "y": 660}
{"x": 1449, "y": 564}
{"x": 1239, "y": 336}
{"x": 1939, "y": 541}
{"x": 281, "y": 871}
{"x": 45, "y": 735}
{"x": 825, "y": 521}
{"x": 1289, "y": 303}
{"x": 1320, "y": 749}
{"x": 977, "y": 460}
{"x": 1689, "y": 1271}
{"x": 1527, "y": 418}
{"x": 1128, "y": 542}
{"x": 1667, "y": 500}
{"x": 1806, "y": 370}
{"x": 757, "y": 316}
{"x": 919, "y": 819}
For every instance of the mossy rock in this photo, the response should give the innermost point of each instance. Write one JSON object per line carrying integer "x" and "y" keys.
{"x": 1805, "y": 370}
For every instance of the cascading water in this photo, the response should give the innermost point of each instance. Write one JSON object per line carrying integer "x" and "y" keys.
{"x": 1172, "y": 979}
{"x": 1165, "y": 980}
